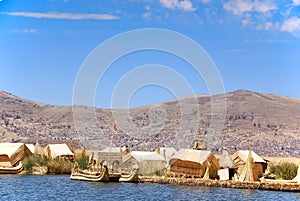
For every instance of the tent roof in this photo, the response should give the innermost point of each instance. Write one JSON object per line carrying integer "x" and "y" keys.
{"x": 9, "y": 148}
{"x": 197, "y": 156}
{"x": 59, "y": 150}
{"x": 111, "y": 150}
{"x": 38, "y": 149}
{"x": 168, "y": 151}
{"x": 31, "y": 147}
{"x": 243, "y": 155}
{"x": 106, "y": 150}
{"x": 147, "y": 156}
{"x": 225, "y": 160}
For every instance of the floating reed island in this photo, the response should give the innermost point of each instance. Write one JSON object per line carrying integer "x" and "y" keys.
{"x": 265, "y": 185}
{"x": 194, "y": 167}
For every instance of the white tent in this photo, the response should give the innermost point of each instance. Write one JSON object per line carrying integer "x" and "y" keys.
{"x": 57, "y": 150}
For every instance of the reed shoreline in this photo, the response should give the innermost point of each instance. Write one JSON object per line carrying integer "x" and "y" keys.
{"x": 273, "y": 186}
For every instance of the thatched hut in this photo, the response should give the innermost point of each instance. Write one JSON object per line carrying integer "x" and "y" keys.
{"x": 58, "y": 150}
{"x": 194, "y": 163}
{"x": 36, "y": 149}
{"x": 148, "y": 162}
{"x": 112, "y": 156}
{"x": 227, "y": 168}
{"x": 240, "y": 160}
{"x": 166, "y": 152}
{"x": 12, "y": 153}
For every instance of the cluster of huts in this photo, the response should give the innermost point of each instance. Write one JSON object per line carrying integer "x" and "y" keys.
{"x": 244, "y": 165}
{"x": 198, "y": 162}
{"x": 11, "y": 154}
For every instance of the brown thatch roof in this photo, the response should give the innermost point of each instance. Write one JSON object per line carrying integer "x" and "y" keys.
{"x": 196, "y": 156}
{"x": 241, "y": 156}
{"x": 55, "y": 150}
{"x": 38, "y": 150}
{"x": 12, "y": 153}
{"x": 225, "y": 160}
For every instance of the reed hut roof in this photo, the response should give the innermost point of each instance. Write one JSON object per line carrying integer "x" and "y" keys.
{"x": 35, "y": 149}
{"x": 243, "y": 156}
{"x": 38, "y": 150}
{"x": 225, "y": 160}
{"x": 166, "y": 152}
{"x": 12, "y": 153}
{"x": 111, "y": 150}
{"x": 143, "y": 156}
{"x": 30, "y": 147}
{"x": 109, "y": 154}
{"x": 197, "y": 156}
{"x": 55, "y": 150}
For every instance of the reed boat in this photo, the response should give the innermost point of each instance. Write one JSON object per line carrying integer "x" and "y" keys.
{"x": 12, "y": 170}
{"x": 133, "y": 177}
{"x": 114, "y": 177}
{"x": 93, "y": 176}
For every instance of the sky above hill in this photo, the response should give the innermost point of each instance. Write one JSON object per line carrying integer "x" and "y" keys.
{"x": 255, "y": 45}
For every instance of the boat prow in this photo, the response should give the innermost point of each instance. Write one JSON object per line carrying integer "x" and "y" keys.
{"x": 12, "y": 170}
{"x": 102, "y": 176}
{"x": 133, "y": 177}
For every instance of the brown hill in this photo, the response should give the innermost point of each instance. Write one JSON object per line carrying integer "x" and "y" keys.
{"x": 268, "y": 123}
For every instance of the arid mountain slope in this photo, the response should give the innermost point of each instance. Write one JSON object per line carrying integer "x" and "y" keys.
{"x": 268, "y": 123}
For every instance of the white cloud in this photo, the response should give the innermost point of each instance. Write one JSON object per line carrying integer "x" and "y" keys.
{"x": 69, "y": 16}
{"x": 29, "y": 31}
{"x": 26, "y": 31}
{"x": 292, "y": 24}
{"x": 185, "y": 5}
{"x": 268, "y": 25}
{"x": 238, "y": 7}
{"x": 296, "y": 2}
{"x": 246, "y": 21}
{"x": 146, "y": 15}
{"x": 267, "y": 41}
{"x": 264, "y": 6}
{"x": 271, "y": 25}
{"x": 205, "y": 1}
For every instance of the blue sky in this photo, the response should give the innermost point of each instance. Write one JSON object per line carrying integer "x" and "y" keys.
{"x": 255, "y": 45}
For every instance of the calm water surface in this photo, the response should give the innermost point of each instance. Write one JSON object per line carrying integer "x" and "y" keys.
{"x": 62, "y": 188}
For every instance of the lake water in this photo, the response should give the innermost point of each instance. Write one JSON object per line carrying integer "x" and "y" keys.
{"x": 62, "y": 188}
